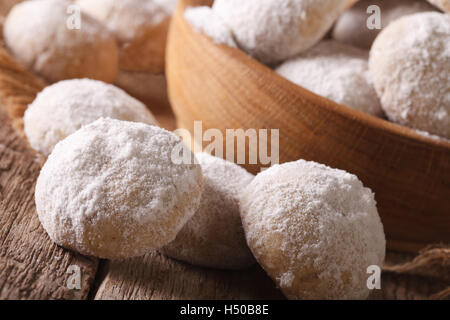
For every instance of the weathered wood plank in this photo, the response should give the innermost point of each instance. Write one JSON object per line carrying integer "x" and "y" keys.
{"x": 31, "y": 265}
{"x": 155, "y": 277}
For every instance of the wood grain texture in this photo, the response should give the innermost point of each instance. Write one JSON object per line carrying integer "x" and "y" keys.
{"x": 158, "y": 277}
{"x": 31, "y": 265}
{"x": 226, "y": 89}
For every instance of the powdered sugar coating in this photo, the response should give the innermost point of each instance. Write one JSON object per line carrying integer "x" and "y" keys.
{"x": 214, "y": 236}
{"x": 351, "y": 27}
{"x": 444, "y": 5}
{"x": 411, "y": 71}
{"x": 204, "y": 20}
{"x": 432, "y": 136}
{"x": 335, "y": 71}
{"x": 125, "y": 18}
{"x": 168, "y": 5}
{"x": 38, "y": 35}
{"x": 273, "y": 30}
{"x": 64, "y": 107}
{"x": 111, "y": 190}
{"x": 314, "y": 229}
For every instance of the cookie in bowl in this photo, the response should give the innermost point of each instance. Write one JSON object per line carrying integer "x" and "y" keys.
{"x": 51, "y": 49}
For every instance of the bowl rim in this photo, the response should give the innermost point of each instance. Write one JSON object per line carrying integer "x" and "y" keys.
{"x": 332, "y": 106}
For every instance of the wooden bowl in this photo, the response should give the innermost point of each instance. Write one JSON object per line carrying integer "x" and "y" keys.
{"x": 226, "y": 89}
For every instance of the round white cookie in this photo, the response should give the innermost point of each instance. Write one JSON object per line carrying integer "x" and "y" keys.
{"x": 64, "y": 107}
{"x": 112, "y": 190}
{"x": 214, "y": 236}
{"x": 272, "y": 31}
{"x": 204, "y": 20}
{"x": 315, "y": 230}
{"x": 336, "y": 71}
{"x": 410, "y": 70}
{"x": 39, "y": 35}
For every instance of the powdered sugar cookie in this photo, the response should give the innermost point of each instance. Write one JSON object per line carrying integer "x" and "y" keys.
{"x": 64, "y": 107}
{"x": 112, "y": 190}
{"x": 273, "y": 31}
{"x": 411, "y": 73}
{"x": 214, "y": 236}
{"x": 351, "y": 27}
{"x": 206, "y": 21}
{"x": 315, "y": 230}
{"x": 140, "y": 27}
{"x": 335, "y": 71}
{"x": 38, "y": 35}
